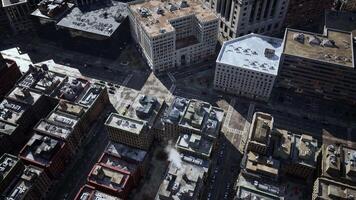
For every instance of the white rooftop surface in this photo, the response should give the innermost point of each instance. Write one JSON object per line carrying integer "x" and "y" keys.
{"x": 6, "y": 3}
{"x": 22, "y": 59}
{"x": 249, "y": 52}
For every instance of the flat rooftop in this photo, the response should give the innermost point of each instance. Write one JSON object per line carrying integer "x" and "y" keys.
{"x": 126, "y": 152}
{"x": 261, "y": 165}
{"x": 101, "y": 19}
{"x": 176, "y": 110}
{"x": 127, "y": 124}
{"x": 52, "y": 9}
{"x": 7, "y": 128}
{"x": 24, "y": 95}
{"x": 306, "y": 150}
{"x": 24, "y": 183}
{"x": 116, "y": 180}
{"x": 63, "y": 119}
{"x": 22, "y": 60}
{"x": 194, "y": 143}
{"x": 340, "y": 20}
{"x": 148, "y": 14}
{"x": 41, "y": 149}
{"x": 329, "y": 189}
{"x": 7, "y": 163}
{"x": 118, "y": 163}
{"x": 70, "y": 108}
{"x": 183, "y": 182}
{"x": 334, "y": 47}
{"x": 40, "y": 78}
{"x": 72, "y": 89}
{"x": 252, "y": 52}
{"x": 11, "y": 110}
{"x": 91, "y": 95}
{"x": 261, "y": 128}
{"x": 7, "y": 3}
{"x": 90, "y": 193}
{"x": 54, "y": 129}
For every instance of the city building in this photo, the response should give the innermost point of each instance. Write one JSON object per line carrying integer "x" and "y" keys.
{"x": 47, "y": 153}
{"x": 260, "y": 133}
{"x": 191, "y": 116}
{"x": 173, "y": 34}
{"x": 88, "y": 192}
{"x": 9, "y": 74}
{"x": 51, "y": 11}
{"x": 338, "y": 163}
{"x": 133, "y": 126}
{"x": 346, "y": 5}
{"x": 71, "y": 89}
{"x": 99, "y": 21}
{"x": 10, "y": 167}
{"x": 195, "y": 145}
{"x": 340, "y": 20}
{"x": 325, "y": 189}
{"x": 183, "y": 180}
{"x": 129, "y": 154}
{"x": 111, "y": 180}
{"x": 319, "y": 65}
{"x": 238, "y": 18}
{"x": 248, "y": 66}
{"x": 18, "y": 14}
{"x": 302, "y": 13}
{"x": 31, "y": 183}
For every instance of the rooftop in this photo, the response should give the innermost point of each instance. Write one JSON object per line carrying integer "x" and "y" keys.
{"x": 176, "y": 110}
{"x": 23, "y": 184}
{"x": 25, "y": 95}
{"x": 194, "y": 143}
{"x": 7, "y": 163}
{"x": 333, "y": 47}
{"x": 41, "y": 79}
{"x": 261, "y": 165}
{"x": 306, "y": 150}
{"x": 184, "y": 182}
{"x": 7, "y": 3}
{"x": 40, "y": 149}
{"x": 22, "y": 60}
{"x": 131, "y": 125}
{"x": 125, "y": 152}
{"x": 340, "y": 20}
{"x": 70, "y": 108}
{"x": 11, "y": 110}
{"x": 90, "y": 193}
{"x": 262, "y": 126}
{"x": 53, "y": 129}
{"x": 253, "y": 52}
{"x": 156, "y": 16}
{"x": 283, "y": 147}
{"x": 102, "y": 19}
{"x": 52, "y": 9}
{"x": 91, "y": 95}
{"x": 72, "y": 89}
{"x": 118, "y": 163}
{"x": 329, "y": 189}
{"x": 7, "y": 128}
{"x": 113, "y": 179}
{"x": 63, "y": 119}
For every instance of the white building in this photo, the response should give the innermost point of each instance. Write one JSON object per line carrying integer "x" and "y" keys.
{"x": 238, "y": 18}
{"x": 173, "y": 33}
{"x": 248, "y": 66}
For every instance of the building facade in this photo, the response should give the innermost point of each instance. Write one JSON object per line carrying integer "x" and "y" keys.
{"x": 9, "y": 74}
{"x": 18, "y": 14}
{"x": 238, "y": 18}
{"x": 248, "y": 66}
{"x": 319, "y": 65}
{"x": 173, "y": 34}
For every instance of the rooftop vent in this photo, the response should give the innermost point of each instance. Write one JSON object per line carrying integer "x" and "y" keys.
{"x": 328, "y": 43}
{"x": 184, "y": 4}
{"x": 269, "y": 53}
{"x": 144, "y": 12}
{"x": 162, "y": 30}
{"x": 313, "y": 40}
{"x": 298, "y": 37}
{"x": 160, "y": 11}
{"x": 172, "y": 7}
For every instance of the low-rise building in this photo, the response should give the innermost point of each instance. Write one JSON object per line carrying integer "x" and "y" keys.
{"x": 260, "y": 133}
{"x": 51, "y": 11}
{"x": 173, "y": 34}
{"x": 10, "y": 167}
{"x": 134, "y": 125}
{"x": 195, "y": 145}
{"x": 109, "y": 179}
{"x": 9, "y": 74}
{"x": 183, "y": 180}
{"x": 31, "y": 183}
{"x": 325, "y": 189}
{"x": 88, "y": 192}
{"x": 319, "y": 65}
{"x": 248, "y": 66}
{"x": 47, "y": 153}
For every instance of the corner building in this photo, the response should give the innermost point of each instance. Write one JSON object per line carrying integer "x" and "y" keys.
{"x": 173, "y": 34}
